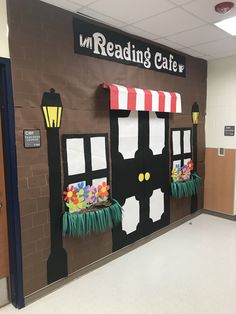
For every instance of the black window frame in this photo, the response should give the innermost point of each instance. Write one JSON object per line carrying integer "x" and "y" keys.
{"x": 182, "y": 156}
{"x": 89, "y": 175}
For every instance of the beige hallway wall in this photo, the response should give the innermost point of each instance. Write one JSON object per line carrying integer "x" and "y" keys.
{"x": 221, "y": 111}
{"x": 4, "y": 47}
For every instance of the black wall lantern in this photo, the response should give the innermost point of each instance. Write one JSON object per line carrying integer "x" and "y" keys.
{"x": 195, "y": 113}
{"x": 195, "y": 121}
{"x": 52, "y": 110}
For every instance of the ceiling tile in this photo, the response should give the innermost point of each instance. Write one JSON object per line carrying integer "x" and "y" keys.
{"x": 83, "y": 2}
{"x": 64, "y": 4}
{"x": 132, "y": 10}
{"x": 206, "y": 57}
{"x": 220, "y": 46}
{"x": 138, "y": 32}
{"x": 171, "y": 22}
{"x": 192, "y": 52}
{"x": 205, "y": 9}
{"x": 181, "y": 2}
{"x": 101, "y": 17}
{"x": 217, "y": 54}
{"x": 183, "y": 28}
{"x": 199, "y": 35}
{"x": 169, "y": 43}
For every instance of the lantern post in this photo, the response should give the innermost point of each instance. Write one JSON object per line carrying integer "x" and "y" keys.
{"x": 195, "y": 120}
{"x": 52, "y": 111}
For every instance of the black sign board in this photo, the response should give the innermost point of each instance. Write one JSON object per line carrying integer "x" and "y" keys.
{"x": 96, "y": 40}
{"x": 229, "y": 130}
{"x": 32, "y": 138}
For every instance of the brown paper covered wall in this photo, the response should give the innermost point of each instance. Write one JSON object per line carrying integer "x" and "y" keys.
{"x": 42, "y": 55}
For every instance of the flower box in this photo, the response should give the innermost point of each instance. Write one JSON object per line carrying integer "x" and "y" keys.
{"x": 98, "y": 218}
{"x": 185, "y": 182}
{"x": 186, "y": 188}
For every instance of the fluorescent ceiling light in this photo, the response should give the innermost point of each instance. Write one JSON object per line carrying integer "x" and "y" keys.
{"x": 228, "y": 25}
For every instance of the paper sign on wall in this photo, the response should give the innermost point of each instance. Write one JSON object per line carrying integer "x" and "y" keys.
{"x": 96, "y": 40}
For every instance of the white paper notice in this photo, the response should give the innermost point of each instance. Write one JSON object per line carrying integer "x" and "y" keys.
{"x": 130, "y": 218}
{"x": 75, "y": 156}
{"x": 176, "y": 142}
{"x": 98, "y": 152}
{"x": 187, "y": 141}
{"x": 157, "y": 133}
{"x": 128, "y": 135}
{"x": 156, "y": 205}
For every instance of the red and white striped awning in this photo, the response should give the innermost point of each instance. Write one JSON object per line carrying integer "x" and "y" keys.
{"x": 127, "y": 98}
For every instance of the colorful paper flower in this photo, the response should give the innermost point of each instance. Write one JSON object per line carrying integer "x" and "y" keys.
{"x": 70, "y": 194}
{"x": 82, "y": 189}
{"x": 180, "y": 178}
{"x": 180, "y": 174}
{"x": 72, "y": 207}
{"x": 92, "y": 195}
{"x": 178, "y": 166}
{"x": 185, "y": 173}
{"x": 82, "y": 196}
{"x": 174, "y": 173}
{"x": 103, "y": 191}
{"x": 80, "y": 185}
{"x": 190, "y": 165}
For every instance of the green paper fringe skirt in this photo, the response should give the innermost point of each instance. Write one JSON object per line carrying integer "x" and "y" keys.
{"x": 100, "y": 220}
{"x": 186, "y": 188}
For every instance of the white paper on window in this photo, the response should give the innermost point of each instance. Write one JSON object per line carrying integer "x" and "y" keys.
{"x": 99, "y": 181}
{"x": 75, "y": 156}
{"x": 128, "y": 135}
{"x": 187, "y": 141}
{"x": 176, "y": 162}
{"x": 98, "y": 153}
{"x": 157, "y": 133}
{"x": 130, "y": 218}
{"x": 176, "y": 142}
{"x": 156, "y": 205}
